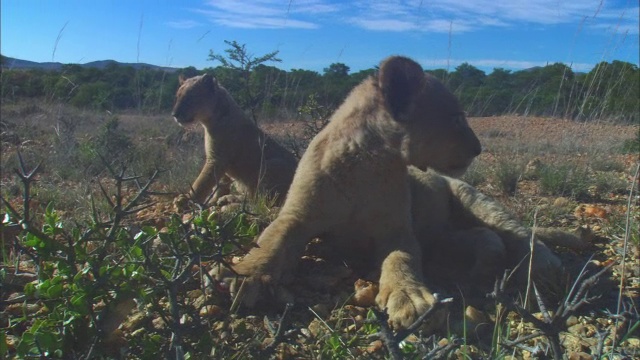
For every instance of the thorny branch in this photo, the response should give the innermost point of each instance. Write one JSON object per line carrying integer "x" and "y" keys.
{"x": 552, "y": 323}
{"x": 279, "y": 334}
{"x": 27, "y": 177}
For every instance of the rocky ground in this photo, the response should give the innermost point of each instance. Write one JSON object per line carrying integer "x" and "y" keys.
{"x": 332, "y": 316}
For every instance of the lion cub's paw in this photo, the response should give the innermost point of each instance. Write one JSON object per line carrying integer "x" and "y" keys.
{"x": 261, "y": 286}
{"x": 405, "y": 302}
{"x": 222, "y": 280}
{"x": 262, "y": 289}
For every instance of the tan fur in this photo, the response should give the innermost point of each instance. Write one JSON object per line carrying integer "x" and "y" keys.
{"x": 470, "y": 236}
{"x": 235, "y": 147}
{"x": 351, "y": 185}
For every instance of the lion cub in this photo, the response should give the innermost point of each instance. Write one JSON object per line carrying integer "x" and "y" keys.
{"x": 352, "y": 185}
{"x": 234, "y": 146}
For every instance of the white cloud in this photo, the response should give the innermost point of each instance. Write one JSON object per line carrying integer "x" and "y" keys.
{"x": 265, "y": 14}
{"x": 621, "y": 21}
{"x": 438, "y": 16}
{"x": 469, "y": 15}
{"x": 384, "y": 24}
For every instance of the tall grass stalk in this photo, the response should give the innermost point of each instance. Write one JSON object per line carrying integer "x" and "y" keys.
{"x": 627, "y": 233}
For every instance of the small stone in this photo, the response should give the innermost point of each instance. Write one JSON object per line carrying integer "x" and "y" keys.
{"x": 634, "y": 343}
{"x": 200, "y": 301}
{"x": 475, "y": 316}
{"x": 211, "y": 311}
{"x": 11, "y": 342}
{"x": 134, "y": 321}
{"x": 305, "y": 332}
{"x": 315, "y": 327}
{"x": 22, "y": 309}
{"x": 580, "y": 356}
{"x": 577, "y": 329}
{"x": 219, "y": 325}
{"x": 561, "y": 202}
{"x": 375, "y": 346}
{"x": 158, "y": 324}
{"x": 572, "y": 320}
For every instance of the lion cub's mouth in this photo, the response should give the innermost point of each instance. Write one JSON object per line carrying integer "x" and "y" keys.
{"x": 184, "y": 123}
{"x": 456, "y": 171}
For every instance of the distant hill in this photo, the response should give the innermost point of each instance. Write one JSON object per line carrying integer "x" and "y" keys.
{"x": 13, "y": 63}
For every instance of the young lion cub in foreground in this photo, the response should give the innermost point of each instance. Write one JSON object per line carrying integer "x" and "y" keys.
{"x": 352, "y": 185}
{"x": 234, "y": 146}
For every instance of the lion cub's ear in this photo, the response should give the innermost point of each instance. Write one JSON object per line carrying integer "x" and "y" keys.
{"x": 208, "y": 80}
{"x": 400, "y": 79}
{"x": 181, "y": 79}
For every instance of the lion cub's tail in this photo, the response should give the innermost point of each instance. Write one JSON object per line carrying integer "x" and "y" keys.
{"x": 481, "y": 210}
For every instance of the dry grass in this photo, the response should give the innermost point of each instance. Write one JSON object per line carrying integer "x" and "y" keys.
{"x": 55, "y": 134}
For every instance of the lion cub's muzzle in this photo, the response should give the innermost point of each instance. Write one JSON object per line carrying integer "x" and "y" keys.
{"x": 182, "y": 120}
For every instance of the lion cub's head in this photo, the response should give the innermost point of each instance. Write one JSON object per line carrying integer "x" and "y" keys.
{"x": 199, "y": 98}
{"x": 440, "y": 137}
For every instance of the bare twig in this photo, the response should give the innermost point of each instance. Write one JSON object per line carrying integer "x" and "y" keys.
{"x": 441, "y": 351}
{"x": 552, "y": 324}
{"x": 278, "y": 335}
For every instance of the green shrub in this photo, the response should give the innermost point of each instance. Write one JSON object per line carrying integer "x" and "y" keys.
{"x": 606, "y": 183}
{"x": 631, "y": 146}
{"x": 475, "y": 174}
{"x": 602, "y": 163}
{"x": 506, "y": 175}
{"x": 90, "y": 273}
{"x": 564, "y": 180}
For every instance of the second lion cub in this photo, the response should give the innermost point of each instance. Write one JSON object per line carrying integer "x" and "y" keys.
{"x": 234, "y": 146}
{"x": 352, "y": 185}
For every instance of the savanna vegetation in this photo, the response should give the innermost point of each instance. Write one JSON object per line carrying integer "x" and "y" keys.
{"x": 610, "y": 91}
{"x": 98, "y": 263}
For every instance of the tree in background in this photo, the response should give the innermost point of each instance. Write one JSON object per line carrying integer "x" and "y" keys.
{"x": 239, "y": 60}
{"x": 610, "y": 91}
{"x": 336, "y": 83}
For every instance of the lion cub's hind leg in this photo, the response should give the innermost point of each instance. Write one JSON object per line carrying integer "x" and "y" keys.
{"x": 488, "y": 250}
{"x": 472, "y": 257}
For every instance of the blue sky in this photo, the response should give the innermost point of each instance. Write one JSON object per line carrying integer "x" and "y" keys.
{"x": 312, "y": 34}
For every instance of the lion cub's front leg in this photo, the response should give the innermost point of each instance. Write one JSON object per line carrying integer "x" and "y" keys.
{"x": 402, "y": 292}
{"x": 271, "y": 263}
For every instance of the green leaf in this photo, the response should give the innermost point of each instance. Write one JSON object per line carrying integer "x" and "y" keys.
{"x": 55, "y": 291}
{"x": 29, "y": 289}
{"x": 79, "y": 301}
{"x": 32, "y": 241}
{"x": 103, "y": 270}
{"x": 166, "y": 274}
{"x": 48, "y": 341}
{"x": 3, "y": 345}
{"x": 136, "y": 251}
